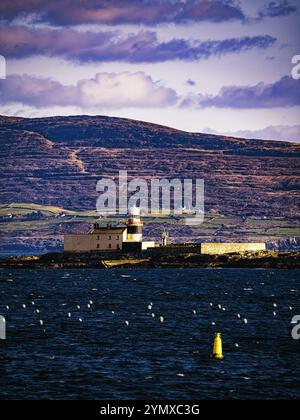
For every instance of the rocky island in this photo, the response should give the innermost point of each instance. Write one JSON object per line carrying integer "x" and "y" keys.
{"x": 262, "y": 259}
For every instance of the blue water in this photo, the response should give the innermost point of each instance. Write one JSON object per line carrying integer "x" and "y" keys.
{"x": 103, "y": 358}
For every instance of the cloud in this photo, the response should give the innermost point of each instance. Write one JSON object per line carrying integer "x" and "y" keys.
{"x": 191, "y": 82}
{"x": 126, "y": 90}
{"x": 142, "y": 47}
{"x": 283, "y": 93}
{"x": 116, "y": 12}
{"x": 277, "y": 9}
{"x": 280, "y": 132}
{"x": 136, "y": 12}
{"x": 105, "y": 90}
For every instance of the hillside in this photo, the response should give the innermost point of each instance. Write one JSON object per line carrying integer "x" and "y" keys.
{"x": 57, "y": 162}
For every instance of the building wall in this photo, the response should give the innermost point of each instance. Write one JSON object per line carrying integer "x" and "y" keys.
{"x": 230, "y": 248}
{"x": 173, "y": 250}
{"x": 137, "y": 247}
{"x": 148, "y": 244}
{"x": 93, "y": 242}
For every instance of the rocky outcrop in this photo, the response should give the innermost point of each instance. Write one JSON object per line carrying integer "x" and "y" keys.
{"x": 267, "y": 259}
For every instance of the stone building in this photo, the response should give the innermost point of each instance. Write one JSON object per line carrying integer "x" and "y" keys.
{"x": 109, "y": 238}
{"x": 97, "y": 239}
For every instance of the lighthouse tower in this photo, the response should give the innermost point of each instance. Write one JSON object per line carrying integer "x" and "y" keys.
{"x": 134, "y": 226}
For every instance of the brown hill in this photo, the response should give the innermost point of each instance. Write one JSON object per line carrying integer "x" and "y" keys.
{"x": 57, "y": 162}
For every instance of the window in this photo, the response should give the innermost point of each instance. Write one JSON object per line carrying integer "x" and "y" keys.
{"x": 109, "y": 246}
{"x": 98, "y": 238}
{"x": 98, "y": 246}
{"x": 109, "y": 238}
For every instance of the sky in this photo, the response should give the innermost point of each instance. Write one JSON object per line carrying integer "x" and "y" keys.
{"x": 218, "y": 66}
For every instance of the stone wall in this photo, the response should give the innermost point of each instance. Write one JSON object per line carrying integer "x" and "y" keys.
{"x": 173, "y": 250}
{"x": 231, "y": 248}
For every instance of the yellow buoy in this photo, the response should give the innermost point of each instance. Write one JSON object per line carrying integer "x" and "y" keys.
{"x": 218, "y": 351}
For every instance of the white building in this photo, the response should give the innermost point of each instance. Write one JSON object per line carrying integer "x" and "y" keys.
{"x": 109, "y": 238}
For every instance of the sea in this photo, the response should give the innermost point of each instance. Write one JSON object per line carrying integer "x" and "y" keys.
{"x": 148, "y": 334}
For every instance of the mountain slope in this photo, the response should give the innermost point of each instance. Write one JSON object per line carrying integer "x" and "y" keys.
{"x": 100, "y": 131}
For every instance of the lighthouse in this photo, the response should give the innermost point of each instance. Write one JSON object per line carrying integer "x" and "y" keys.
{"x": 134, "y": 226}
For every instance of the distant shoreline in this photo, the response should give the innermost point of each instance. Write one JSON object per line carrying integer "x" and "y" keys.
{"x": 267, "y": 259}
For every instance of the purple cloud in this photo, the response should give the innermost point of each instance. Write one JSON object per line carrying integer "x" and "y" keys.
{"x": 105, "y": 90}
{"x": 277, "y": 9}
{"x": 283, "y": 93}
{"x": 142, "y": 47}
{"x": 191, "y": 82}
{"x": 115, "y": 12}
{"x": 277, "y": 132}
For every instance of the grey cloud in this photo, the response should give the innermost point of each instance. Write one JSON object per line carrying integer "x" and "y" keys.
{"x": 116, "y": 12}
{"x": 277, "y": 9}
{"x": 283, "y": 93}
{"x": 142, "y": 47}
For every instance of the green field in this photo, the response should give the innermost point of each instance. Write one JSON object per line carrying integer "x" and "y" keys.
{"x": 26, "y": 224}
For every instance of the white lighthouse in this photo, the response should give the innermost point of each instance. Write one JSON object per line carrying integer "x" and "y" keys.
{"x": 134, "y": 226}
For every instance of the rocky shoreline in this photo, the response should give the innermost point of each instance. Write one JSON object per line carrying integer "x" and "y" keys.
{"x": 268, "y": 259}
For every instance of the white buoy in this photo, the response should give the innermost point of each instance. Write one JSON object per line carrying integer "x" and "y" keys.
{"x": 153, "y": 315}
{"x": 69, "y": 315}
{"x": 211, "y": 305}
{"x": 236, "y": 345}
{"x": 41, "y": 322}
{"x": 213, "y": 324}
{"x": 80, "y": 320}
{"x": 194, "y": 312}
{"x": 245, "y": 321}
{"x": 224, "y": 309}
{"x": 91, "y": 302}
{"x": 112, "y": 312}
{"x": 275, "y": 314}
{"x": 24, "y": 306}
{"x": 290, "y": 308}
{"x": 7, "y": 307}
{"x": 78, "y": 307}
{"x": 162, "y": 319}
{"x": 126, "y": 323}
{"x": 239, "y": 316}
{"x": 32, "y": 303}
{"x": 37, "y": 311}
{"x": 220, "y": 307}
{"x": 88, "y": 306}
{"x": 274, "y": 305}
{"x": 149, "y": 307}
